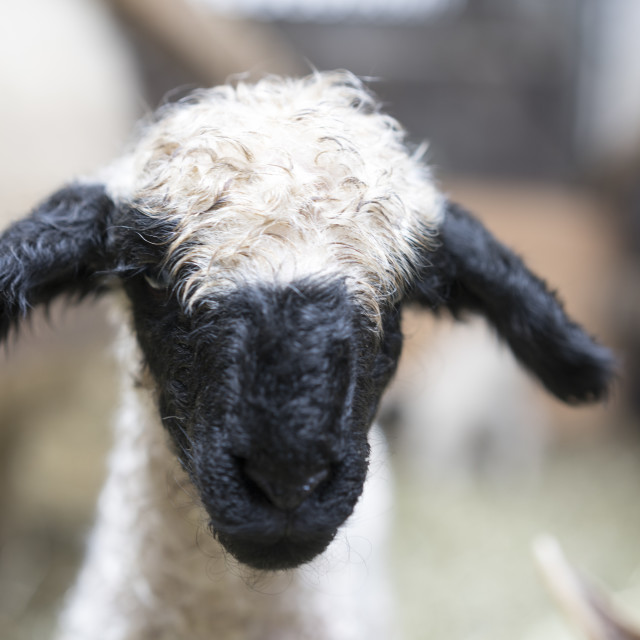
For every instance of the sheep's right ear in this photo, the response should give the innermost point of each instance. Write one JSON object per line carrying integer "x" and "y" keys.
{"x": 471, "y": 271}
{"x": 57, "y": 249}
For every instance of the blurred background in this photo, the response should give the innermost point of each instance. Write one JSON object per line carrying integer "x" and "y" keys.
{"x": 532, "y": 112}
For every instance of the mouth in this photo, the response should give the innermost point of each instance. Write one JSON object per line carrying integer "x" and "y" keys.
{"x": 272, "y": 554}
{"x": 258, "y": 534}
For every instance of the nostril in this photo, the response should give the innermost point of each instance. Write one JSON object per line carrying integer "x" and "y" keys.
{"x": 283, "y": 489}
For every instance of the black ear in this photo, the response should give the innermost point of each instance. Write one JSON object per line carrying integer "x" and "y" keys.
{"x": 57, "y": 249}
{"x": 471, "y": 271}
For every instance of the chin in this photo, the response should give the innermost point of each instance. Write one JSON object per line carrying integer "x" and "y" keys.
{"x": 282, "y": 554}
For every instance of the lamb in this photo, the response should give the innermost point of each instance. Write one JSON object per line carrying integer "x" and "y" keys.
{"x": 498, "y": 434}
{"x": 261, "y": 242}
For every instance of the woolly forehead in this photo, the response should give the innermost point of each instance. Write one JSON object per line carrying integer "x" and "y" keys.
{"x": 282, "y": 180}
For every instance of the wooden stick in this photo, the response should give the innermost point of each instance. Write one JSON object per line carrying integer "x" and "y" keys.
{"x": 586, "y": 606}
{"x": 213, "y": 46}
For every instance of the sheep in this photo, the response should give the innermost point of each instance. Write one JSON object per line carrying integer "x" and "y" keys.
{"x": 499, "y": 433}
{"x": 260, "y": 241}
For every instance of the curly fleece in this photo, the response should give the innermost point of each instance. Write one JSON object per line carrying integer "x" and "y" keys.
{"x": 284, "y": 179}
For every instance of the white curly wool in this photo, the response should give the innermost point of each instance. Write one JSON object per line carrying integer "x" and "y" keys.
{"x": 282, "y": 179}
{"x": 154, "y": 572}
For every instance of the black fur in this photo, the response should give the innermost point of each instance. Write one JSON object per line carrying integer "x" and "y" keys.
{"x": 57, "y": 249}
{"x": 284, "y": 380}
{"x": 472, "y": 271}
{"x": 268, "y": 391}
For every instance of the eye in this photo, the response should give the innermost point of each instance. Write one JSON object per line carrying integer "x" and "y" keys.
{"x": 158, "y": 280}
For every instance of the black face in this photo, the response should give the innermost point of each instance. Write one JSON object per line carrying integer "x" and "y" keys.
{"x": 268, "y": 393}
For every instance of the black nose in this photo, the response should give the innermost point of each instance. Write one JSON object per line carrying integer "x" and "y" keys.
{"x": 284, "y": 490}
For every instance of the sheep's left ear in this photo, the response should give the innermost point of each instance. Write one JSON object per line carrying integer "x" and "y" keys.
{"x": 471, "y": 271}
{"x": 57, "y": 249}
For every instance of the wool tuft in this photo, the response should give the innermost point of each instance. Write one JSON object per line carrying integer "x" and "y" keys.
{"x": 280, "y": 180}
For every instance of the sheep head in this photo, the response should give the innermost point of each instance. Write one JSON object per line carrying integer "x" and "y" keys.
{"x": 267, "y": 238}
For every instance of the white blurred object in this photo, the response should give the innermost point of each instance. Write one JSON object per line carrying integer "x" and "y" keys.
{"x": 609, "y": 100}
{"x": 466, "y": 408}
{"x": 334, "y": 10}
{"x": 70, "y": 96}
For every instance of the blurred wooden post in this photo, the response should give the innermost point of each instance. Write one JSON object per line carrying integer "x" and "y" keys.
{"x": 212, "y": 46}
